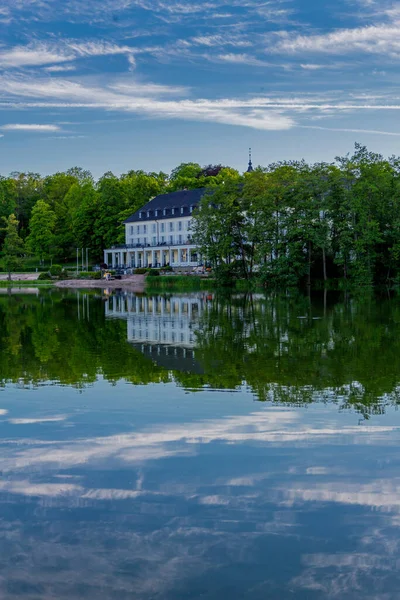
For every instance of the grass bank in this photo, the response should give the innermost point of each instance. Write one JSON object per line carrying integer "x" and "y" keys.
{"x": 179, "y": 283}
{"x": 18, "y": 283}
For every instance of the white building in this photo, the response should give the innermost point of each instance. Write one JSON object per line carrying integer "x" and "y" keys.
{"x": 159, "y": 234}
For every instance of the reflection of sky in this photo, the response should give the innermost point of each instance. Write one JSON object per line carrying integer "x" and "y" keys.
{"x": 150, "y": 492}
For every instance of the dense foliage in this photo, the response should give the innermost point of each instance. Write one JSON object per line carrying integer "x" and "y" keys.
{"x": 285, "y": 224}
{"x": 294, "y": 223}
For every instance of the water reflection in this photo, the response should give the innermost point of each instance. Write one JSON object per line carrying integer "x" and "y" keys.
{"x": 151, "y": 492}
{"x": 163, "y": 328}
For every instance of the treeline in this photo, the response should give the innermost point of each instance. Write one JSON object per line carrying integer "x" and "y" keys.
{"x": 294, "y": 223}
{"x": 56, "y": 214}
{"x": 285, "y": 224}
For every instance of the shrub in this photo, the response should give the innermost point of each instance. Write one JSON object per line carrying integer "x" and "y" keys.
{"x": 140, "y": 271}
{"x": 167, "y": 268}
{"x": 89, "y": 275}
{"x": 43, "y": 277}
{"x": 56, "y": 270}
{"x": 153, "y": 272}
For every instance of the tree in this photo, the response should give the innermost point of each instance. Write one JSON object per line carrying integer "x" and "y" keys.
{"x": 13, "y": 247}
{"x": 42, "y": 225}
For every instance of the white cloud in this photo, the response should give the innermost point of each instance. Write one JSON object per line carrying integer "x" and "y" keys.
{"x": 60, "y": 68}
{"x": 30, "y": 127}
{"x": 29, "y": 56}
{"x": 220, "y": 40}
{"x": 375, "y": 39}
{"x": 146, "y": 101}
{"x": 40, "y": 54}
{"x": 242, "y": 59}
{"x": 349, "y": 130}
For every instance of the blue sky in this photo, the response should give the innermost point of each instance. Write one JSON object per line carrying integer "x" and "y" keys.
{"x": 147, "y": 84}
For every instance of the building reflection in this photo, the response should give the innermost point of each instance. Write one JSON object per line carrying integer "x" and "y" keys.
{"x": 163, "y": 328}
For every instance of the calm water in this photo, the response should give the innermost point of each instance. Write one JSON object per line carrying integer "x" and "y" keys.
{"x": 181, "y": 447}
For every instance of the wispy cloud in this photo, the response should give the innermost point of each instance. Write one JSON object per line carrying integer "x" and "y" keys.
{"x": 380, "y": 39}
{"x": 220, "y": 40}
{"x": 40, "y": 54}
{"x": 146, "y": 101}
{"x": 242, "y": 59}
{"x": 350, "y": 130}
{"x": 30, "y": 127}
{"x": 60, "y": 68}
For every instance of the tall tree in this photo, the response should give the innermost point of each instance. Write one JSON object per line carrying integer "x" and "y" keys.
{"x": 13, "y": 247}
{"x": 41, "y": 239}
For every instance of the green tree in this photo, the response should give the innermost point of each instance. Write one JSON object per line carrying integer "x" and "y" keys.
{"x": 13, "y": 247}
{"x": 41, "y": 239}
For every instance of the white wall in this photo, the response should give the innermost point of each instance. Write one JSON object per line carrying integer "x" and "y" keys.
{"x": 154, "y": 232}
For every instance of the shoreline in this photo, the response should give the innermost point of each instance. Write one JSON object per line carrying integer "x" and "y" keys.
{"x": 134, "y": 283}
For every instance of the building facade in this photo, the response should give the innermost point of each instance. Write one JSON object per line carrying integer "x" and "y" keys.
{"x": 158, "y": 234}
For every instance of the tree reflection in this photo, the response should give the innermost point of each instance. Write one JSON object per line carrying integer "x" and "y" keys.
{"x": 285, "y": 349}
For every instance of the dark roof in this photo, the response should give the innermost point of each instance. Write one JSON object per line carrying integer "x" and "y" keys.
{"x": 183, "y": 198}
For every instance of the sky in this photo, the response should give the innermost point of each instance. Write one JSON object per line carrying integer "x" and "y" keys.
{"x": 148, "y": 84}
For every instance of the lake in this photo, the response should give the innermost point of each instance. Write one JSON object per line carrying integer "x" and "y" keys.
{"x": 199, "y": 446}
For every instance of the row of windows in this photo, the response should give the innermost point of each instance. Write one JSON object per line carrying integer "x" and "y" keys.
{"x": 163, "y": 239}
{"x": 164, "y": 212}
{"x": 163, "y": 227}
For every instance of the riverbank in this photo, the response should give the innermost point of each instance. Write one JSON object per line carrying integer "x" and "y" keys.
{"x": 19, "y": 276}
{"x": 133, "y": 283}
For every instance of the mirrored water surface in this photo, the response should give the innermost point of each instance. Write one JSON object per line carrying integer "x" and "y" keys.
{"x": 199, "y": 446}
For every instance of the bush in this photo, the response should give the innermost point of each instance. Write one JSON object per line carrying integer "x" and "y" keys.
{"x": 43, "y": 277}
{"x": 89, "y": 275}
{"x": 56, "y": 270}
{"x": 140, "y": 271}
{"x": 167, "y": 268}
{"x": 153, "y": 272}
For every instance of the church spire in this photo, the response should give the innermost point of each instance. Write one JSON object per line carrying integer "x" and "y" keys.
{"x": 250, "y": 167}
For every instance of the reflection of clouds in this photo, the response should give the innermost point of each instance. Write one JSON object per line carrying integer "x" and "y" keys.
{"x": 159, "y": 529}
{"x": 38, "y": 420}
{"x": 3, "y": 411}
{"x": 25, "y": 488}
{"x": 273, "y": 426}
{"x": 382, "y": 493}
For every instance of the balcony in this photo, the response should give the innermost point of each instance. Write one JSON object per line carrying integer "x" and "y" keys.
{"x": 161, "y": 245}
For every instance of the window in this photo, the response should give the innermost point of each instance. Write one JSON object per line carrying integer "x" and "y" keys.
{"x": 164, "y": 212}
{"x": 181, "y": 210}
{"x": 154, "y": 228}
{"x": 138, "y": 240}
{"x": 154, "y": 241}
{"x": 191, "y": 209}
{"x": 163, "y": 239}
{"x": 145, "y": 241}
{"x": 180, "y": 225}
{"x": 173, "y": 210}
{"x": 162, "y": 227}
{"x": 180, "y": 238}
{"x": 156, "y": 213}
{"x": 138, "y": 229}
{"x": 171, "y": 239}
{"x": 140, "y": 215}
{"x": 144, "y": 228}
{"x": 171, "y": 226}
{"x": 131, "y": 229}
{"x": 148, "y": 213}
